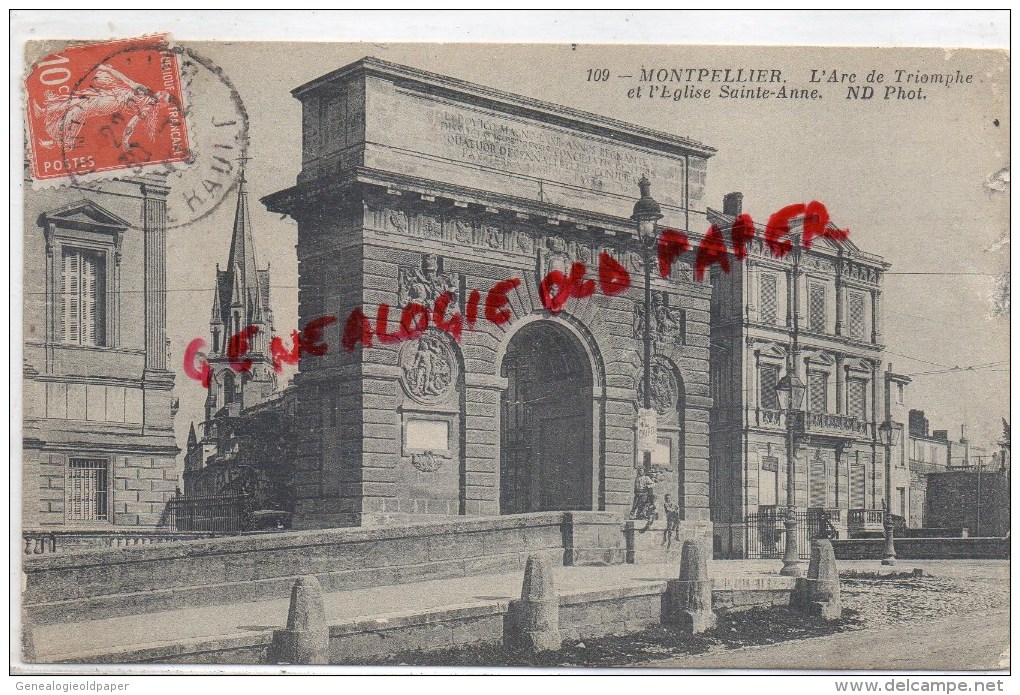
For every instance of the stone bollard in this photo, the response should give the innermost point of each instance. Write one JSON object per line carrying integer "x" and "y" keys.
{"x": 533, "y": 622}
{"x": 306, "y": 637}
{"x": 689, "y": 598}
{"x": 819, "y": 593}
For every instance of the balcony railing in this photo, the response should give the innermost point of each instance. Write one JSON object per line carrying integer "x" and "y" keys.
{"x": 866, "y": 520}
{"x": 773, "y": 419}
{"x": 830, "y": 424}
{"x": 812, "y": 423}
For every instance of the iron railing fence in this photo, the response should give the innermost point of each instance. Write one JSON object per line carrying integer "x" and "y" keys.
{"x": 220, "y": 513}
{"x": 765, "y": 532}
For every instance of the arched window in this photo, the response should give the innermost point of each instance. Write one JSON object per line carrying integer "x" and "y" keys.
{"x": 229, "y": 388}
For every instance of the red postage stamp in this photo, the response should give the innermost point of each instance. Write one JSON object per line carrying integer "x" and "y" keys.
{"x": 104, "y": 107}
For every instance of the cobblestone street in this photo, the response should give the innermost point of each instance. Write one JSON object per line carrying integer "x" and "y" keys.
{"x": 943, "y": 590}
{"x": 953, "y": 617}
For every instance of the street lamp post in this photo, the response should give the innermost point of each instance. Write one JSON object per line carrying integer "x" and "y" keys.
{"x": 790, "y": 392}
{"x": 647, "y": 214}
{"x": 890, "y": 437}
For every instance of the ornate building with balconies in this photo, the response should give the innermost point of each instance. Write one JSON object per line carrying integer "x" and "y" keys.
{"x": 818, "y": 311}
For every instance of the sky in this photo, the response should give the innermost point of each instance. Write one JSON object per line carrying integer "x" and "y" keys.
{"x": 909, "y": 178}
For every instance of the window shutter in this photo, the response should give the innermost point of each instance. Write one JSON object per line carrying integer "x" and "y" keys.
{"x": 63, "y": 299}
{"x": 857, "y": 397}
{"x": 817, "y": 485}
{"x": 767, "y": 290}
{"x": 769, "y": 379}
{"x": 817, "y": 397}
{"x": 856, "y": 315}
{"x": 72, "y": 296}
{"x": 82, "y": 298}
{"x": 816, "y": 308}
{"x": 857, "y": 482}
{"x": 88, "y": 300}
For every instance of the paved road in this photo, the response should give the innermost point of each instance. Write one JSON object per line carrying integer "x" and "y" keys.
{"x": 972, "y": 642}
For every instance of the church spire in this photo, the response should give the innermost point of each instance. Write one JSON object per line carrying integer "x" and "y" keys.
{"x": 241, "y": 293}
{"x": 242, "y": 242}
{"x": 240, "y": 300}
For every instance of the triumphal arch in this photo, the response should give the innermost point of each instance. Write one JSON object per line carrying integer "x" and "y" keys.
{"x": 459, "y": 379}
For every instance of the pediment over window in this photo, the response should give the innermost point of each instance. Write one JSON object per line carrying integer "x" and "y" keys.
{"x": 857, "y": 365}
{"x": 84, "y": 216}
{"x": 772, "y": 350}
{"x": 824, "y": 244}
{"x": 820, "y": 358}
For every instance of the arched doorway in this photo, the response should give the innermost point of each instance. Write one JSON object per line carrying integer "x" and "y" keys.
{"x": 546, "y": 422}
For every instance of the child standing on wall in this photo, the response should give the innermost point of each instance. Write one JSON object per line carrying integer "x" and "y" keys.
{"x": 672, "y": 510}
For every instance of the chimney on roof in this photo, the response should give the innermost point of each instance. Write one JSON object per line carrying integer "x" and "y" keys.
{"x": 733, "y": 204}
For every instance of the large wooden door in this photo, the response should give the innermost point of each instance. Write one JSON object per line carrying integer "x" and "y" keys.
{"x": 546, "y": 423}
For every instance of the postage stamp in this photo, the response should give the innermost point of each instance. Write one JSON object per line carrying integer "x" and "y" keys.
{"x": 106, "y": 107}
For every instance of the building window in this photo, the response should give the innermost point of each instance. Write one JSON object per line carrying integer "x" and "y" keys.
{"x": 899, "y": 393}
{"x": 816, "y": 307}
{"x": 769, "y": 377}
{"x": 858, "y": 478}
{"x": 88, "y": 490}
{"x": 83, "y": 297}
{"x": 857, "y": 398}
{"x": 818, "y": 392}
{"x": 769, "y": 303}
{"x": 855, "y": 311}
{"x": 817, "y": 482}
{"x": 229, "y": 387}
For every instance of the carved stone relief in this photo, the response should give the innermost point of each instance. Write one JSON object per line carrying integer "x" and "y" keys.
{"x": 554, "y": 257}
{"x": 428, "y": 368}
{"x": 424, "y": 284}
{"x": 463, "y": 230}
{"x": 430, "y": 227}
{"x": 396, "y": 221}
{"x": 668, "y": 322}
{"x": 427, "y": 461}
{"x": 665, "y": 386}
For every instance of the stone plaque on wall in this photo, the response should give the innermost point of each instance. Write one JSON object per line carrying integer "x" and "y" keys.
{"x": 426, "y": 435}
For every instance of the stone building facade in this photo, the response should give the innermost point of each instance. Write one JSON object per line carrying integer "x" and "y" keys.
{"x": 98, "y": 443}
{"x": 421, "y": 190}
{"x": 835, "y": 290}
{"x": 897, "y": 413}
{"x": 929, "y": 452}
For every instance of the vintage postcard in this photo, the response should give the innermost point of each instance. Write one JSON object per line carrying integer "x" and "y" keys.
{"x": 548, "y": 355}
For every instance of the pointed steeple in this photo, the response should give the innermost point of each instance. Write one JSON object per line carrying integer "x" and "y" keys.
{"x": 240, "y": 299}
{"x": 241, "y": 293}
{"x": 216, "y": 319}
{"x": 242, "y": 243}
{"x": 192, "y": 437}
